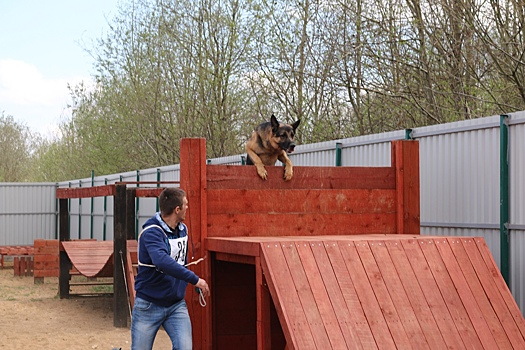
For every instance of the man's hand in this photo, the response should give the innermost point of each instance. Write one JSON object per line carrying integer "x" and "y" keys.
{"x": 204, "y": 287}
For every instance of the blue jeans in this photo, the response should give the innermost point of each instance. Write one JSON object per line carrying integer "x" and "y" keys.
{"x": 147, "y": 318}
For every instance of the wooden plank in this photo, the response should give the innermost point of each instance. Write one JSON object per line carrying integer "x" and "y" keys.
{"x": 500, "y": 298}
{"x": 235, "y": 258}
{"x": 334, "y": 293}
{"x": 232, "y": 246}
{"x": 263, "y": 302}
{"x": 193, "y": 181}
{"x": 285, "y": 297}
{"x": 305, "y": 294}
{"x": 320, "y": 295}
{"x": 414, "y": 294}
{"x": 430, "y": 289}
{"x": 85, "y": 192}
{"x": 482, "y": 297}
{"x": 382, "y": 295}
{"x": 457, "y": 265}
{"x": 358, "y": 324}
{"x": 405, "y": 160}
{"x": 245, "y": 177}
{"x": 277, "y": 224}
{"x": 450, "y": 294}
{"x": 356, "y": 201}
{"x": 399, "y": 297}
{"x": 365, "y": 293}
{"x": 148, "y": 192}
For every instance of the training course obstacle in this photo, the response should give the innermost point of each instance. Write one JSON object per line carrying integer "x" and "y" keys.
{"x": 333, "y": 260}
{"x": 330, "y": 259}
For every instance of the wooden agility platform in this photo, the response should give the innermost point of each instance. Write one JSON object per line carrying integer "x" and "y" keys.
{"x": 378, "y": 292}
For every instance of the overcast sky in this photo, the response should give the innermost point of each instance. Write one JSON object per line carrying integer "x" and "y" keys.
{"x": 42, "y": 49}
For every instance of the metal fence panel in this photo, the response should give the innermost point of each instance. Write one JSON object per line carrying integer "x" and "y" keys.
{"x": 27, "y": 212}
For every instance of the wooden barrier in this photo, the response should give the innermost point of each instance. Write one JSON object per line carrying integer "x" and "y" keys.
{"x": 45, "y": 259}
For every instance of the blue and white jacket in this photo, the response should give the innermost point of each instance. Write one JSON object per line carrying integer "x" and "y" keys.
{"x": 162, "y": 277}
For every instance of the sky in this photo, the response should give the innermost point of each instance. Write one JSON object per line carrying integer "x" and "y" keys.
{"x": 42, "y": 49}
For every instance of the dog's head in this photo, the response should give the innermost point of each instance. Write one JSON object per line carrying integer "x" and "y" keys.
{"x": 283, "y": 134}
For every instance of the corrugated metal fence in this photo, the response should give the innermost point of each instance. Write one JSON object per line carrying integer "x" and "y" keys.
{"x": 460, "y": 187}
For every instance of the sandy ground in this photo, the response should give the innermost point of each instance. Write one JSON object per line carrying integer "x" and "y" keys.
{"x": 33, "y": 317}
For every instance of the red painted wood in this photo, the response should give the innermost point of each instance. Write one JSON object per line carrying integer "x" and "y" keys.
{"x": 85, "y": 192}
{"x": 300, "y": 201}
{"x": 450, "y": 294}
{"x": 405, "y": 160}
{"x": 193, "y": 181}
{"x": 495, "y": 289}
{"x": 148, "y": 192}
{"x": 468, "y": 270}
{"x": 384, "y": 300}
{"x": 305, "y": 295}
{"x": 321, "y": 299}
{"x": 400, "y": 299}
{"x": 365, "y": 293}
{"x": 457, "y": 267}
{"x": 292, "y": 224}
{"x": 414, "y": 294}
{"x": 430, "y": 289}
{"x": 333, "y": 295}
{"x": 245, "y": 177}
{"x": 358, "y": 322}
{"x": 285, "y": 297}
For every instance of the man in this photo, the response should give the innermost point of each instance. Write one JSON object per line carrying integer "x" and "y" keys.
{"x": 162, "y": 277}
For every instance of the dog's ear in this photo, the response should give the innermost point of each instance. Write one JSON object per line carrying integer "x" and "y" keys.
{"x": 274, "y": 123}
{"x": 296, "y": 124}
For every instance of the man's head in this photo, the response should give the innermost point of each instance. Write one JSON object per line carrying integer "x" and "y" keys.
{"x": 173, "y": 201}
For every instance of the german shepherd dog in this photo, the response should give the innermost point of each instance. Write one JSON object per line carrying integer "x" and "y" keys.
{"x": 271, "y": 141}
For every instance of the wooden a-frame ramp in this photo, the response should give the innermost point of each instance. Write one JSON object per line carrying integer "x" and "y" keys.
{"x": 385, "y": 292}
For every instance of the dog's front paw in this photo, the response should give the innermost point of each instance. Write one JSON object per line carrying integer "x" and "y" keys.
{"x": 288, "y": 173}
{"x": 263, "y": 174}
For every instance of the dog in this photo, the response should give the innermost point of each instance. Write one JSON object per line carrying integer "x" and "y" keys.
{"x": 271, "y": 141}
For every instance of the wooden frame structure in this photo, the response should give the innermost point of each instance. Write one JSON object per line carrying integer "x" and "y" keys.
{"x": 329, "y": 260}
{"x": 229, "y": 203}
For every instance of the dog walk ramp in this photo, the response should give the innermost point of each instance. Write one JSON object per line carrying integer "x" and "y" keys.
{"x": 387, "y": 293}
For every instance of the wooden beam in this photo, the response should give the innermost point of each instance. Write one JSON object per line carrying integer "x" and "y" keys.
{"x": 193, "y": 181}
{"x": 405, "y": 160}
{"x": 148, "y": 192}
{"x": 245, "y": 177}
{"x": 64, "y": 262}
{"x": 120, "y": 297}
{"x": 85, "y": 192}
{"x": 263, "y": 299}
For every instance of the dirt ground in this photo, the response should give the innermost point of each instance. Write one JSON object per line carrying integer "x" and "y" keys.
{"x": 32, "y": 316}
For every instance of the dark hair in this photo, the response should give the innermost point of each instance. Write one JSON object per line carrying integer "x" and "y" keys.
{"x": 169, "y": 199}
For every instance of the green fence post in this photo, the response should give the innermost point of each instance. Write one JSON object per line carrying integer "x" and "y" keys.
{"x": 338, "y": 153}
{"x": 504, "y": 197}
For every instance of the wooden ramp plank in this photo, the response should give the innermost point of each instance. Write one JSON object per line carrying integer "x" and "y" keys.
{"x": 384, "y": 300}
{"x": 358, "y": 321}
{"x": 320, "y": 295}
{"x": 415, "y": 295}
{"x": 285, "y": 297}
{"x": 450, "y": 294}
{"x": 487, "y": 327}
{"x": 431, "y": 293}
{"x": 496, "y": 290}
{"x": 400, "y": 299}
{"x": 365, "y": 293}
{"x": 306, "y": 298}
{"x": 334, "y": 292}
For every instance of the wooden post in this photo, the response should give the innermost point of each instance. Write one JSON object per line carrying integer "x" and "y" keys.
{"x": 405, "y": 159}
{"x": 64, "y": 261}
{"x": 130, "y": 213}
{"x": 263, "y": 298}
{"x": 193, "y": 181}
{"x": 120, "y": 297}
